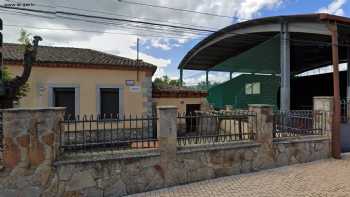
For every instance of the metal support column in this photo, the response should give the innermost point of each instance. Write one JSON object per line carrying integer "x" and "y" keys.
{"x": 285, "y": 68}
{"x": 336, "y": 148}
{"x": 231, "y": 75}
{"x": 207, "y": 78}
{"x": 181, "y": 76}
{"x": 348, "y": 74}
{"x": 2, "y": 89}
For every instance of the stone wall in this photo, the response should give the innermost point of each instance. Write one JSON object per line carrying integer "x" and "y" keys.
{"x": 118, "y": 175}
{"x": 32, "y": 166}
{"x": 30, "y": 147}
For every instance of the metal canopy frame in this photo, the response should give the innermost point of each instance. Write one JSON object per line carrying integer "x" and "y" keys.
{"x": 307, "y": 42}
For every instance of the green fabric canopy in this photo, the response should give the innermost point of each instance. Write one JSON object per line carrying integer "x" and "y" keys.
{"x": 264, "y": 58}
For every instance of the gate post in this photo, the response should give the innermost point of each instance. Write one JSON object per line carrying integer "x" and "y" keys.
{"x": 167, "y": 135}
{"x": 264, "y": 129}
{"x": 324, "y": 104}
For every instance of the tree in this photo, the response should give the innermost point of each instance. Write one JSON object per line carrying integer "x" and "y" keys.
{"x": 166, "y": 81}
{"x": 25, "y": 40}
{"x": 203, "y": 85}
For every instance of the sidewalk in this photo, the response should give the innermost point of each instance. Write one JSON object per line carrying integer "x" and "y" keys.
{"x": 321, "y": 178}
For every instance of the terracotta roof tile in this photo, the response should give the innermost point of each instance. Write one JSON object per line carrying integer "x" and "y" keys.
{"x": 69, "y": 55}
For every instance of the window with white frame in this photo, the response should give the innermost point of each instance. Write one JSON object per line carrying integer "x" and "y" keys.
{"x": 252, "y": 88}
{"x": 109, "y": 101}
{"x": 63, "y": 95}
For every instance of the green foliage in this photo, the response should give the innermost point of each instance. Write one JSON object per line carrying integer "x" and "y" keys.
{"x": 24, "y": 38}
{"x": 22, "y": 92}
{"x": 25, "y": 41}
{"x": 166, "y": 81}
{"x": 203, "y": 85}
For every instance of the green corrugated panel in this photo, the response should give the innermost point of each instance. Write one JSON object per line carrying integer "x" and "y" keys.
{"x": 264, "y": 58}
{"x": 233, "y": 91}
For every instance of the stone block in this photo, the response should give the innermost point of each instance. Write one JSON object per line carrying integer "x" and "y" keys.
{"x": 81, "y": 180}
{"x": 36, "y": 152}
{"x": 23, "y": 140}
{"x": 11, "y": 154}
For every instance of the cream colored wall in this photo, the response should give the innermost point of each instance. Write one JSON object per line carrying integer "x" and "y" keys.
{"x": 180, "y": 103}
{"x": 87, "y": 79}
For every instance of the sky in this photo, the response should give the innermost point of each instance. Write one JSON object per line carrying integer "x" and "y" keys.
{"x": 163, "y": 47}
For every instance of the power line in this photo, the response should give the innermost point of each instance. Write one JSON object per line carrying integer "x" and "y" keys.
{"x": 113, "y": 14}
{"x": 177, "y": 9}
{"x": 175, "y": 34}
{"x": 109, "y": 18}
{"x": 152, "y": 24}
{"x": 88, "y": 31}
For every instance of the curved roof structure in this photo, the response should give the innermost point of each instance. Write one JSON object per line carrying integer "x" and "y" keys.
{"x": 310, "y": 41}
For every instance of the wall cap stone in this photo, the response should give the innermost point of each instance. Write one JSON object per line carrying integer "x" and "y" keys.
{"x": 323, "y": 97}
{"x": 166, "y": 107}
{"x": 223, "y": 146}
{"x": 260, "y": 105}
{"x": 107, "y": 156}
{"x": 288, "y": 140}
{"x": 33, "y": 109}
{"x": 148, "y": 153}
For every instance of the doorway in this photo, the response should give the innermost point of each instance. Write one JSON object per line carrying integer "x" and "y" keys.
{"x": 191, "y": 120}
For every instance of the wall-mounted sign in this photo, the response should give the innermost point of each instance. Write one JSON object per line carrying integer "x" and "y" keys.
{"x": 130, "y": 82}
{"x": 135, "y": 89}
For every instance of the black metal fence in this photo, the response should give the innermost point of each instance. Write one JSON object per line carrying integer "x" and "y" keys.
{"x": 115, "y": 132}
{"x": 299, "y": 123}
{"x": 218, "y": 127}
{"x": 345, "y": 111}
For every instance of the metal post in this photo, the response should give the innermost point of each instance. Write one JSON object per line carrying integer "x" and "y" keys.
{"x": 285, "y": 68}
{"x": 348, "y": 74}
{"x": 336, "y": 148}
{"x": 231, "y": 75}
{"x": 2, "y": 89}
{"x": 181, "y": 76}
{"x": 207, "y": 78}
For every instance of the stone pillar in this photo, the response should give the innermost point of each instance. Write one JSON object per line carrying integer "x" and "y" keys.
{"x": 264, "y": 128}
{"x": 31, "y": 145}
{"x": 324, "y": 105}
{"x": 167, "y": 134}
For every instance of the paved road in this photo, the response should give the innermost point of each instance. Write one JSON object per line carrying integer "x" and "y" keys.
{"x": 321, "y": 178}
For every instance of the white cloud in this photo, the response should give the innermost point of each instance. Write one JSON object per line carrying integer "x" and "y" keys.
{"x": 335, "y": 7}
{"x": 250, "y": 8}
{"x": 124, "y": 45}
{"x": 218, "y": 77}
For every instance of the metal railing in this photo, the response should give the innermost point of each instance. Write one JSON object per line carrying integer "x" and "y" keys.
{"x": 114, "y": 132}
{"x": 298, "y": 123}
{"x": 345, "y": 111}
{"x": 215, "y": 127}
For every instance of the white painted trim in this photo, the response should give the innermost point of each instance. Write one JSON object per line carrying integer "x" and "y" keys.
{"x": 121, "y": 97}
{"x": 51, "y": 97}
